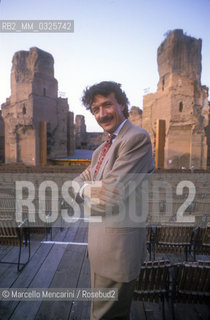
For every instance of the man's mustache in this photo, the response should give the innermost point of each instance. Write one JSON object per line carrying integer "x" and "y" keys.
{"x": 105, "y": 119}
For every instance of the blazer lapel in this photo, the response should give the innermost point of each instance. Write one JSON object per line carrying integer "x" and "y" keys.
{"x": 110, "y": 151}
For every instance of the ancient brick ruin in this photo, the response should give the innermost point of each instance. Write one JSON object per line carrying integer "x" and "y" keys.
{"x": 207, "y": 130}
{"x": 38, "y": 125}
{"x": 1, "y": 138}
{"x": 80, "y": 132}
{"x": 84, "y": 139}
{"x": 33, "y": 102}
{"x": 181, "y": 101}
{"x": 135, "y": 116}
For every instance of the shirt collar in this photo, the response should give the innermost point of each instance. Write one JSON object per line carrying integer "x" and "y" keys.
{"x": 119, "y": 128}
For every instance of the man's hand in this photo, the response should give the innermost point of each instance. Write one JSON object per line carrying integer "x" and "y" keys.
{"x": 103, "y": 193}
{"x": 85, "y": 175}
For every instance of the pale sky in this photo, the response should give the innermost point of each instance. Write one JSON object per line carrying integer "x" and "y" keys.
{"x": 113, "y": 40}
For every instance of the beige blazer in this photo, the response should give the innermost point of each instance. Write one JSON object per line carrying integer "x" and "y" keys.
{"x": 117, "y": 245}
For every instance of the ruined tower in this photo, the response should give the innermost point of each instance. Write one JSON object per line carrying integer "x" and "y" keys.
{"x": 80, "y": 132}
{"x": 181, "y": 101}
{"x": 33, "y": 101}
{"x": 135, "y": 116}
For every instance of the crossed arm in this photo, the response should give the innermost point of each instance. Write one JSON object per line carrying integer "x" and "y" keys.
{"x": 134, "y": 157}
{"x": 103, "y": 190}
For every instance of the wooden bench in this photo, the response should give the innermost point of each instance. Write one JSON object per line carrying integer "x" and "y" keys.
{"x": 8, "y": 209}
{"x": 173, "y": 239}
{"x": 191, "y": 283}
{"x": 15, "y": 234}
{"x": 201, "y": 241}
{"x": 150, "y": 240}
{"x": 153, "y": 282}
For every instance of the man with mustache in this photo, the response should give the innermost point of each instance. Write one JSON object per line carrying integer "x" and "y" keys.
{"x": 111, "y": 187}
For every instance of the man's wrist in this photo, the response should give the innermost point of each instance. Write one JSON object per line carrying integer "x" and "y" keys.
{"x": 82, "y": 189}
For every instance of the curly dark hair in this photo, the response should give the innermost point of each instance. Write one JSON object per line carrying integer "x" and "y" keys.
{"x": 105, "y": 88}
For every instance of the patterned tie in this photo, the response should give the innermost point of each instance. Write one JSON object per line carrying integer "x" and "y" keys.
{"x": 103, "y": 153}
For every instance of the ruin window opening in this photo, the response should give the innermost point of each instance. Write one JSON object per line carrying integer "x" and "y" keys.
{"x": 44, "y": 92}
{"x": 180, "y": 107}
{"x": 24, "y": 109}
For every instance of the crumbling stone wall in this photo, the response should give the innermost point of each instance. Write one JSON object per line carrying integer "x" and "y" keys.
{"x": 135, "y": 116}
{"x": 34, "y": 99}
{"x": 94, "y": 139}
{"x": 207, "y": 129}
{"x": 1, "y": 138}
{"x": 70, "y": 134}
{"x": 84, "y": 139}
{"x": 181, "y": 100}
{"x": 80, "y": 132}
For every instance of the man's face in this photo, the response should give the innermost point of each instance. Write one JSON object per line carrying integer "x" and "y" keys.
{"x": 108, "y": 112}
